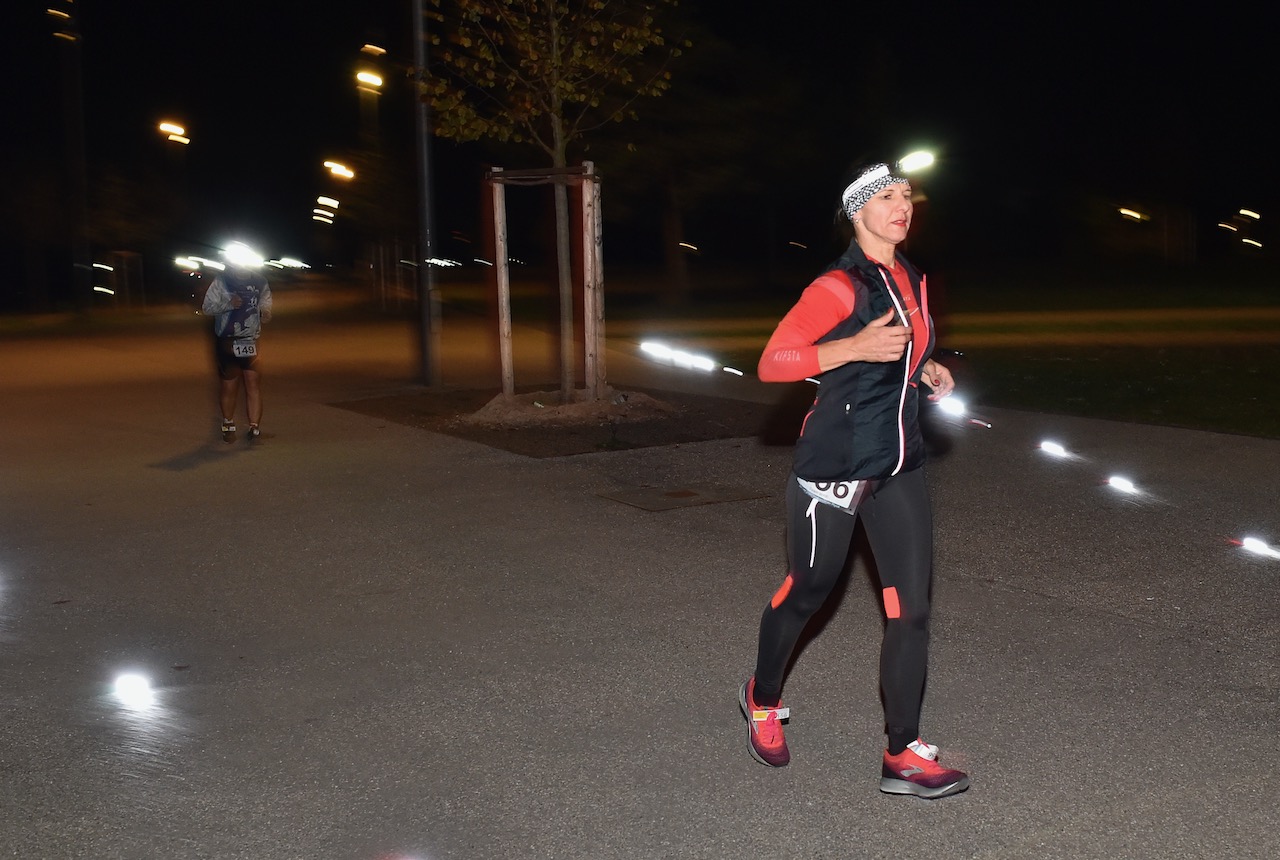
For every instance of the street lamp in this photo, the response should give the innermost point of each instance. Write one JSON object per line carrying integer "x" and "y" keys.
{"x": 176, "y": 133}
{"x": 340, "y": 170}
{"x": 368, "y": 82}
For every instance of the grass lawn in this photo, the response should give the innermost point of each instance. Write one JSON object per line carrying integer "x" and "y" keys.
{"x": 1221, "y": 387}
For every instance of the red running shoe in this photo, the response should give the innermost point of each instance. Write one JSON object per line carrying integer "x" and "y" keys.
{"x": 764, "y": 728}
{"x": 916, "y": 771}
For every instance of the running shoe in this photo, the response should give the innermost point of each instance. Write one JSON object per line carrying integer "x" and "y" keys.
{"x": 228, "y": 431}
{"x": 764, "y": 728}
{"x": 916, "y": 771}
{"x": 254, "y": 434}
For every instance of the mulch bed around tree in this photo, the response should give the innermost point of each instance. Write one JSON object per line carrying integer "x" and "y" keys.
{"x": 536, "y": 424}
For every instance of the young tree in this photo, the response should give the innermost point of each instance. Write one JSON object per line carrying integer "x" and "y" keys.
{"x": 545, "y": 72}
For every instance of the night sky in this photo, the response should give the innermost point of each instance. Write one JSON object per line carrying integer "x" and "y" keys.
{"x": 1018, "y": 101}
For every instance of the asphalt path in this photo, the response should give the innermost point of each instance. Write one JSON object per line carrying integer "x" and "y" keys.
{"x": 370, "y": 641}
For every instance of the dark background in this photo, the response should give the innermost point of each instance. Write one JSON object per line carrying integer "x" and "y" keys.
{"x": 1044, "y": 120}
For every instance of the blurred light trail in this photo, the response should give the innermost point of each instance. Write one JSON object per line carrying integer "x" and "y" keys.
{"x": 327, "y": 201}
{"x": 1249, "y": 213}
{"x": 1259, "y": 547}
{"x": 1124, "y": 485}
{"x": 1053, "y": 448}
{"x": 373, "y": 50}
{"x": 106, "y": 290}
{"x": 1232, "y": 227}
{"x": 952, "y": 406}
{"x": 104, "y": 267}
{"x": 172, "y": 128}
{"x": 370, "y": 80}
{"x": 1253, "y": 242}
{"x": 733, "y": 370}
{"x": 688, "y": 246}
{"x": 678, "y": 357}
{"x": 1134, "y": 215}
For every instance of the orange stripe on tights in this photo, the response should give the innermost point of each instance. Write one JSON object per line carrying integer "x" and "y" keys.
{"x": 891, "y": 607}
{"x": 782, "y": 592}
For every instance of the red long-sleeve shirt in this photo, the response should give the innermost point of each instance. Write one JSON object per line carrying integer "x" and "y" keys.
{"x": 792, "y": 352}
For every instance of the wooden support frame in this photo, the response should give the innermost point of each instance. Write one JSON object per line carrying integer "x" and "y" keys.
{"x": 592, "y": 246}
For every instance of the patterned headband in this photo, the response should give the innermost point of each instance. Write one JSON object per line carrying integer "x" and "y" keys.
{"x": 871, "y": 182}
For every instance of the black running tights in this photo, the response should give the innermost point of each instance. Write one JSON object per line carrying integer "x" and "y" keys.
{"x": 899, "y": 527}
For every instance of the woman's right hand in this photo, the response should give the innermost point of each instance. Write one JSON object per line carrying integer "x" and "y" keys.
{"x": 881, "y": 340}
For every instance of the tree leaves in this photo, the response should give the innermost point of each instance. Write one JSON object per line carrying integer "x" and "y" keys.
{"x": 546, "y": 73}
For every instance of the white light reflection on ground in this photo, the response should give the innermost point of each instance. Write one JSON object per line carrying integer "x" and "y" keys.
{"x": 1257, "y": 546}
{"x": 134, "y": 691}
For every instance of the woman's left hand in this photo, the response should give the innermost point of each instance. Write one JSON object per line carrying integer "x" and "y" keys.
{"x": 938, "y": 379}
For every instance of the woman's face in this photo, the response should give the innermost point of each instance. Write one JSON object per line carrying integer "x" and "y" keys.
{"x": 887, "y": 215}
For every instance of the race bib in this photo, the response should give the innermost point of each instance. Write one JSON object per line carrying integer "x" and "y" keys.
{"x": 841, "y": 494}
{"x": 244, "y": 349}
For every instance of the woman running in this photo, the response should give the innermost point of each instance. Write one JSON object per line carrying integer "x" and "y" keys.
{"x": 863, "y": 330}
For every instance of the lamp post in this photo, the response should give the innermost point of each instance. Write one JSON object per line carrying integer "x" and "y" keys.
{"x": 68, "y": 34}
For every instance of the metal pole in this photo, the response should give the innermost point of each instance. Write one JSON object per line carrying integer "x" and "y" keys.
{"x": 428, "y": 298}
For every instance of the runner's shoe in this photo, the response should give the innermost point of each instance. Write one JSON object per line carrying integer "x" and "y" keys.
{"x": 254, "y": 434}
{"x": 764, "y": 728}
{"x": 228, "y": 431}
{"x": 916, "y": 771}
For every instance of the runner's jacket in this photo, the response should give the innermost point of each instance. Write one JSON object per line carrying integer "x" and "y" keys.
{"x": 864, "y": 422}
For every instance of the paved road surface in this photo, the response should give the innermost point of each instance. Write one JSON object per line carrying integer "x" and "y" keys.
{"x": 368, "y": 641}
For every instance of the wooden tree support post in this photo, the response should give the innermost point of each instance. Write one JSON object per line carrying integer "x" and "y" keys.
{"x": 592, "y": 274}
{"x": 502, "y": 269}
{"x": 593, "y": 284}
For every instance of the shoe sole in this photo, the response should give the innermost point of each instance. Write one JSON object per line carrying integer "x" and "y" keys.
{"x": 903, "y": 786}
{"x": 746, "y": 712}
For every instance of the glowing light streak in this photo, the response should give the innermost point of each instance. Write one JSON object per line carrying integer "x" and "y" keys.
{"x": 1124, "y": 485}
{"x": 177, "y": 138}
{"x": 374, "y": 50}
{"x": 1232, "y": 227}
{"x": 104, "y": 267}
{"x": 733, "y": 370}
{"x": 327, "y": 201}
{"x": 798, "y": 245}
{"x": 1253, "y": 242}
{"x": 325, "y": 212}
{"x": 322, "y": 219}
{"x": 1133, "y": 214}
{"x": 678, "y": 357}
{"x": 370, "y": 80}
{"x": 688, "y": 246}
{"x": 171, "y": 128}
{"x": 1249, "y": 213}
{"x": 1053, "y": 448}
{"x": 952, "y": 406}
{"x": 134, "y": 691}
{"x": 240, "y": 254}
{"x": 915, "y": 161}
{"x": 106, "y": 290}
{"x": 1259, "y": 547}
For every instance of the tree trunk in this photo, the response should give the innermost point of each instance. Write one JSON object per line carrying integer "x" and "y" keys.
{"x": 564, "y": 267}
